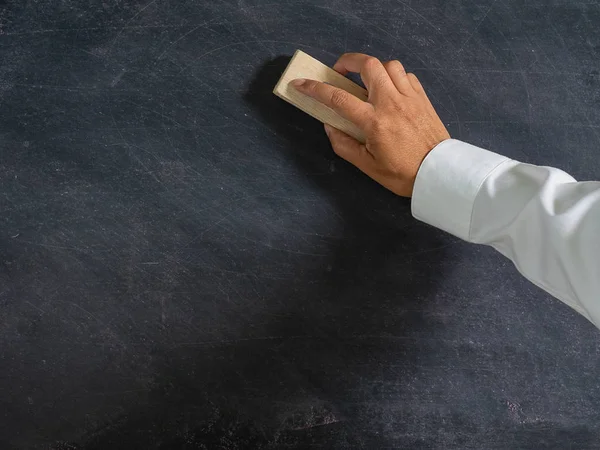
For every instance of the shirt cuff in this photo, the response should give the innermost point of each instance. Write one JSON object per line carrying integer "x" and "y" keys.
{"x": 448, "y": 182}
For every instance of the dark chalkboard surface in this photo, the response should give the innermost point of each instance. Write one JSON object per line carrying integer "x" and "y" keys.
{"x": 186, "y": 264}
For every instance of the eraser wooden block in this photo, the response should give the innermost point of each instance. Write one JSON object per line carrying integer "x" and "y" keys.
{"x": 305, "y": 66}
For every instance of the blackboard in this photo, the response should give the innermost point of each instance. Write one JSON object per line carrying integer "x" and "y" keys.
{"x": 186, "y": 263}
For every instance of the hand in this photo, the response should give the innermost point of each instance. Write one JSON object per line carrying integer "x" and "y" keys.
{"x": 399, "y": 122}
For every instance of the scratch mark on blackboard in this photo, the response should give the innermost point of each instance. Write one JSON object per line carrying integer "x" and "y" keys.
{"x": 132, "y": 153}
{"x": 60, "y": 247}
{"x": 87, "y": 312}
{"x": 529, "y": 106}
{"x": 152, "y": 111}
{"x": 414, "y": 11}
{"x": 161, "y": 56}
{"x": 128, "y": 22}
{"x": 35, "y": 307}
{"x": 476, "y": 28}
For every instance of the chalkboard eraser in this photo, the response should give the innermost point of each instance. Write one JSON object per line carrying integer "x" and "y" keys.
{"x": 305, "y": 66}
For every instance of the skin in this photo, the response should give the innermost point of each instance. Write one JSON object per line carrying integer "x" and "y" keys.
{"x": 400, "y": 124}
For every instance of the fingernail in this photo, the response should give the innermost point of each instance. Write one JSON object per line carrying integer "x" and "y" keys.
{"x": 327, "y": 129}
{"x": 299, "y": 82}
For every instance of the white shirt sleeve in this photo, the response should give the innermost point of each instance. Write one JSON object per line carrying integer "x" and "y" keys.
{"x": 541, "y": 218}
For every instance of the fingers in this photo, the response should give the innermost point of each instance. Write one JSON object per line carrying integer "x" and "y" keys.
{"x": 415, "y": 83}
{"x": 376, "y": 79}
{"x": 351, "y": 62}
{"x": 349, "y": 148}
{"x": 398, "y": 75}
{"x": 342, "y": 102}
{"x": 418, "y": 88}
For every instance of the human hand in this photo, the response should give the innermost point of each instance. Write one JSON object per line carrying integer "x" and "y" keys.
{"x": 400, "y": 124}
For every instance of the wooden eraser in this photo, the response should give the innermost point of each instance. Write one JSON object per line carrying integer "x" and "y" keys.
{"x": 305, "y": 66}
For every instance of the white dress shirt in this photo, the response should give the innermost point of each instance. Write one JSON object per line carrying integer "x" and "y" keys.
{"x": 541, "y": 218}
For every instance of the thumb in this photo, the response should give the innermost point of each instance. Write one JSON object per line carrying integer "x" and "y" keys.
{"x": 348, "y": 148}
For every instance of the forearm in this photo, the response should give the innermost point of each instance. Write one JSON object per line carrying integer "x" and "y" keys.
{"x": 539, "y": 217}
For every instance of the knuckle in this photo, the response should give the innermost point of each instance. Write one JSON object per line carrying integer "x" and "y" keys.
{"x": 397, "y": 66}
{"x": 380, "y": 81}
{"x": 311, "y": 86}
{"x": 371, "y": 63}
{"x": 338, "y": 98}
{"x": 367, "y": 116}
{"x": 379, "y": 126}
